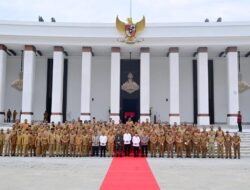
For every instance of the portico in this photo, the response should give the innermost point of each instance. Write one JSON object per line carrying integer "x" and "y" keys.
{"x": 94, "y": 57}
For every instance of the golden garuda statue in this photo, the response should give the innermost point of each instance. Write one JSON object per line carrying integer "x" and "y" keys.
{"x": 129, "y": 29}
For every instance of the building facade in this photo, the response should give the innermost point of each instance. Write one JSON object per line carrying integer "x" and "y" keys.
{"x": 178, "y": 72}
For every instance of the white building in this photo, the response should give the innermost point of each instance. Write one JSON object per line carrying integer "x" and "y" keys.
{"x": 185, "y": 71}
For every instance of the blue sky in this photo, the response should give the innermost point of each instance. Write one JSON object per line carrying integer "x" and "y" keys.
{"x": 106, "y": 10}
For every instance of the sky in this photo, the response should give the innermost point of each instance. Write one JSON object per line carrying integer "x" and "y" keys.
{"x": 105, "y": 11}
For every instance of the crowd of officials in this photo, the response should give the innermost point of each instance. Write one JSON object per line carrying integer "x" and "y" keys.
{"x": 83, "y": 139}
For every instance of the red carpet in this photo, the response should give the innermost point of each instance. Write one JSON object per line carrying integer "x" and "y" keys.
{"x": 129, "y": 173}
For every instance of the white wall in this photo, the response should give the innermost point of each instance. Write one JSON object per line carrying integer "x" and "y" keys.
{"x": 245, "y": 96}
{"x": 39, "y": 104}
{"x": 220, "y": 90}
{"x": 14, "y": 97}
{"x": 186, "y": 89}
{"x": 74, "y": 87}
{"x": 100, "y": 88}
{"x": 159, "y": 88}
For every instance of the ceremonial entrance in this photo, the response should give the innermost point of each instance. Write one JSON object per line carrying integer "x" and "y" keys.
{"x": 130, "y": 90}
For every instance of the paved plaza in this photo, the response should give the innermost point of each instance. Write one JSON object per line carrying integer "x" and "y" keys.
{"x": 89, "y": 173}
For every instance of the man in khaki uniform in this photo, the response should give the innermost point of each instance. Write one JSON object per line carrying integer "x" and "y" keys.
{"x": 179, "y": 143}
{"x": 52, "y": 142}
{"x": 85, "y": 144}
{"x": 211, "y": 142}
{"x": 45, "y": 142}
{"x": 32, "y": 144}
{"x": 79, "y": 142}
{"x": 204, "y": 141}
{"x": 38, "y": 144}
{"x": 153, "y": 142}
{"x": 170, "y": 139}
{"x": 187, "y": 143}
{"x": 236, "y": 144}
{"x": 25, "y": 143}
{"x": 111, "y": 142}
{"x": 228, "y": 145}
{"x": 196, "y": 143}
{"x": 220, "y": 142}
{"x": 72, "y": 143}
{"x": 161, "y": 143}
{"x": 58, "y": 143}
{"x": 2, "y": 139}
{"x": 13, "y": 142}
{"x": 7, "y": 143}
{"x": 65, "y": 144}
{"x": 19, "y": 143}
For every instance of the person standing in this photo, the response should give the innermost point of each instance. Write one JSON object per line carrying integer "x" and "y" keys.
{"x": 118, "y": 143}
{"x": 52, "y": 142}
{"x": 187, "y": 143}
{"x": 220, "y": 141}
{"x": 14, "y": 116}
{"x": 161, "y": 143}
{"x": 236, "y": 145}
{"x": 170, "y": 139}
{"x": 228, "y": 145}
{"x": 95, "y": 144}
{"x": 136, "y": 144}
{"x": 144, "y": 144}
{"x": 211, "y": 142}
{"x": 25, "y": 142}
{"x": 2, "y": 139}
{"x": 127, "y": 141}
{"x": 239, "y": 121}
{"x": 111, "y": 140}
{"x": 103, "y": 143}
{"x": 153, "y": 143}
{"x": 7, "y": 143}
{"x": 8, "y": 116}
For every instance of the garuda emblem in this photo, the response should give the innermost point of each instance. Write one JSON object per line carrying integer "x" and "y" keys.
{"x": 129, "y": 29}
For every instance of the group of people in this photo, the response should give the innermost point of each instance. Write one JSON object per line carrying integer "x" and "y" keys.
{"x": 78, "y": 139}
{"x": 11, "y": 116}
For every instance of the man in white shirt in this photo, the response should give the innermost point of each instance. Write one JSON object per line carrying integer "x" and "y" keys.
{"x": 103, "y": 143}
{"x": 136, "y": 144}
{"x": 127, "y": 142}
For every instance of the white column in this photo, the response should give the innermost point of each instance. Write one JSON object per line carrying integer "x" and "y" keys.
{"x": 202, "y": 77}
{"x": 174, "y": 111}
{"x": 28, "y": 82}
{"x": 3, "y": 62}
{"x": 145, "y": 85}
{"x": 86, "y": 84}
{"x": 232, "y": 84}
{"x": 115, "y": 84}
{"x": 57, "y": 84}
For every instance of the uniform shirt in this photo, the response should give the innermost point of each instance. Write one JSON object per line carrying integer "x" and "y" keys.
{"x": 136, "y": 141}
{"x": 127, "y": 138}
{"x": 103, "y": 140}
{"x": 144, "y": 140}
{"x": 95, "y": 140}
